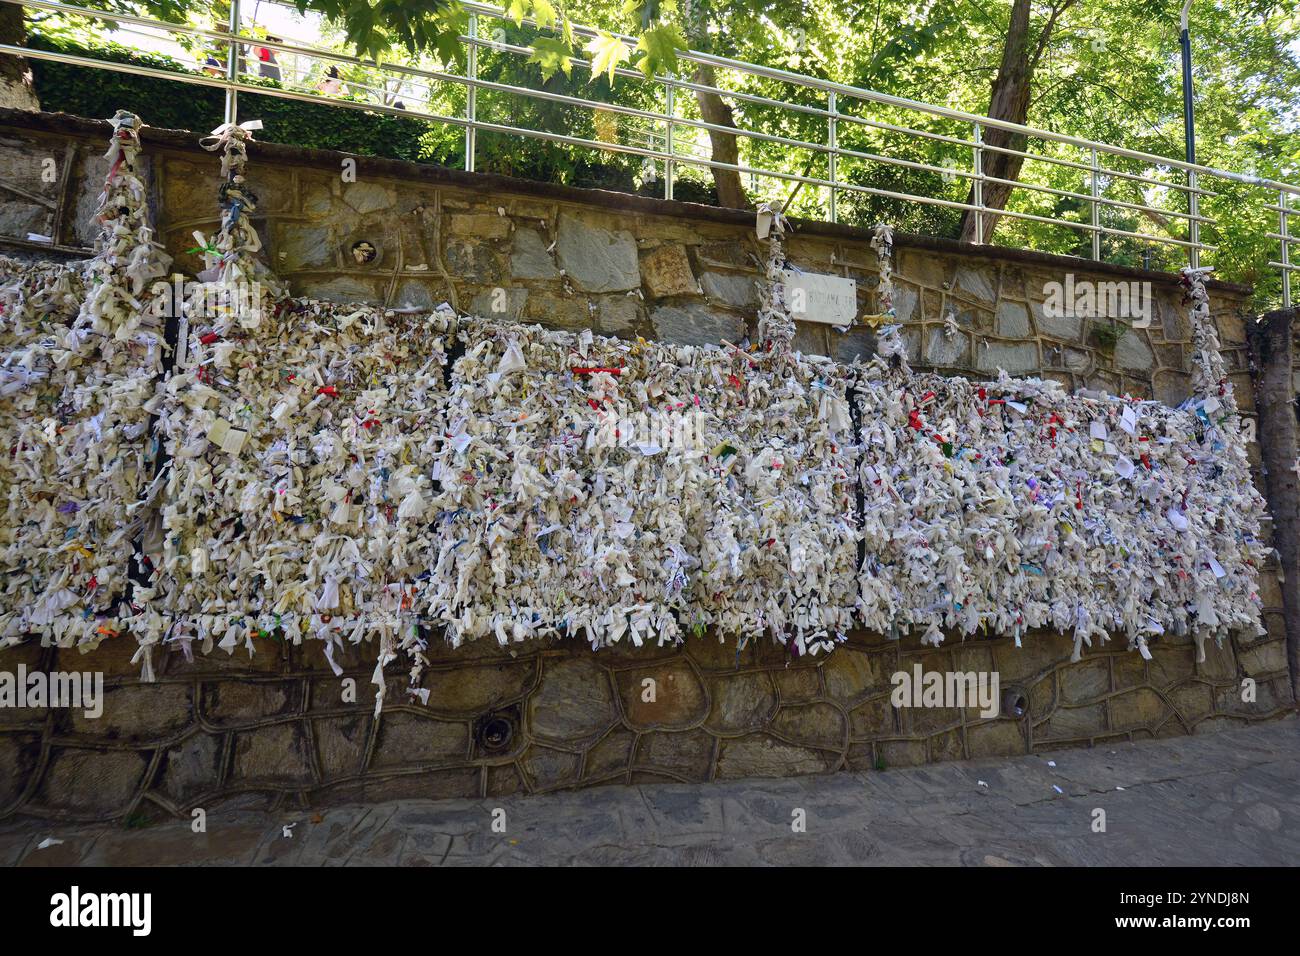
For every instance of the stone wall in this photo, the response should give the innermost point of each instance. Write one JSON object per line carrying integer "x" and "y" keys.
{"x": 223, "y": 730}
{"x": 232, "y": 732}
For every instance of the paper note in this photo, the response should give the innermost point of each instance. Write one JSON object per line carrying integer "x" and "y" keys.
{"x": 1123, "y": 467}
{"x": 1128, "y": 421}
{"x": 227, "y": 437}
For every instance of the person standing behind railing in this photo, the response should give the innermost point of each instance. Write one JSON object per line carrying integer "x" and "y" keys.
{"x": 267, "y": 65}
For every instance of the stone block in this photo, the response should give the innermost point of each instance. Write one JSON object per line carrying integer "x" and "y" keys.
{"x": 1192, "y": 701}
{"x": 817, "y": 724}
{"x": 499, "y": 303}
{"x": 138, "y": 712}
{"x": 666, "y": 270}
{"x": 687, "y": 754}
{"x": 191, "y": 768}
{"x": 857, "y": 344}
{"x": 341, "y": 744}
{"x": 758, "y": 755}
{"x": 1068, "y": 722}
{"x": 796, "y": 684}
{"x": 727, "y": 255}
{"x": 365, "y": 196}
{"x": 574, "y": 701}
{"x": 742, "y": 702}
{"x": 675, "y": 700}
{"x": 942, "y": 349}
{"x": 469, "y": 691}
{"x": 276, "y": 754}
{"x": 905, "y": 300}
{"x": 409, "y": 738}
{"x": 596, "y": 259}
{"x": 696, "y": 324}
{"x": 19, "y": 753}
{"x": 1141, "y": 707}
{"x": 479, "y": 225}
{"x": 611, "y": 754}
{"x": 1085, "y": 681}
{"x": 1050, "y": 322}
{"x": 88, "y": 781}
{"x": 1133, "y": 352}
{"x": 230, "y": 703}
{"x": 976, "y": 282}
{"x": 549, "y": 769}
{"x": 1016, "y": 358}
{"x": 471, "y": 260}
{"x": 851, "y": 674}
{"x": 997, "y": 738}
{"x": 529, "y": 258}
{"x": 618, "y": 315}
{"x": 1012, "y": 321}
{"x": 901, "y": 753}
{"x": 734, "y": 291}
{"x": 872, "y": 719}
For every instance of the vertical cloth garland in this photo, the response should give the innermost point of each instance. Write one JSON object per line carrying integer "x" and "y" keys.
{"x": 82, "y": 353}
{"x": 301, "y": 436}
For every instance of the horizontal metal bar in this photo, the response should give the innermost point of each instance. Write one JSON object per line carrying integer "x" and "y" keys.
{"x": 1286, "y": 266}
{"x": 200, "y": 79}
{"x": 799, "y": 80}
{"x": 280, "y": 93}
{"x": 1101, "y": 200}
{"x": 1186, "y": 244}
{"x": 828, "y": 86}
{"x": 1103, "y": 170}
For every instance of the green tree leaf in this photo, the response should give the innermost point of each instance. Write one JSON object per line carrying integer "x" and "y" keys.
{"x": 607, "y": 54}
{"x": 552, "y": 54}
{"x": 659, "y": 46}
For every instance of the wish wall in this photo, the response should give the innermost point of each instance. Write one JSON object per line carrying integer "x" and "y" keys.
{"x": 370, "y": 461}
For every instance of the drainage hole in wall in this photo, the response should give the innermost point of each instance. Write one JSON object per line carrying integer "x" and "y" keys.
{"x": 495, "y": 732}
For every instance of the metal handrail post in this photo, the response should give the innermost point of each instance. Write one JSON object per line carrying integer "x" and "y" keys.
{"x": 232, "y": 65}
{"x": 1194, "y": 209}
{"x": 977, "y": 152}
{"x": 471, "y": 96}
{"x": 834, "y": 144}
{"x": 1285, "y": 232}
{"x": 1096, "y": 207}
{"x": 669, "y": 165}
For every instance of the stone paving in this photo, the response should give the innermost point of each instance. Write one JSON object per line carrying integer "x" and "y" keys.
{"x": 1221, "y": 799}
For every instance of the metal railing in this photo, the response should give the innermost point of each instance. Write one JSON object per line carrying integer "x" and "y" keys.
{"x": 669, "y": 138}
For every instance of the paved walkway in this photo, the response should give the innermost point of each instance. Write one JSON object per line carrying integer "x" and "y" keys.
{"x": 1229, "y": 798}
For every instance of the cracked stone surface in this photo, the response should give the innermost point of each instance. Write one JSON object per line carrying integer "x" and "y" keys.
{"x": 1224, "y": 799}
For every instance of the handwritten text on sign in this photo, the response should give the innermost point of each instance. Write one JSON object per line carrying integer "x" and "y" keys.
{"x": 812, "y": 297}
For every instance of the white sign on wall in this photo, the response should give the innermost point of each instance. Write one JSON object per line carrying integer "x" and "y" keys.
{"x": 812, "y": 297}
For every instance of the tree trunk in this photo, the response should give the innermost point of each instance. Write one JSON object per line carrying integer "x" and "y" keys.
{"x": 714, "y": 109}
{"x": 15, "y": 78}
{"x": 1275, "y": 404}
{"x": 1009, "y": 101}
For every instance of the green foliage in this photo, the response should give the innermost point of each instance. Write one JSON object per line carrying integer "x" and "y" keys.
{"x": 99, "y": 93}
